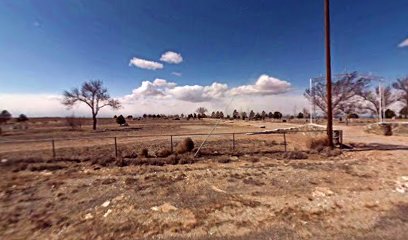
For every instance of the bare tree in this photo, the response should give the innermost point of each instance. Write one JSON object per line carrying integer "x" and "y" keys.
{"x": 401, "y": 85}
{"x": 201, "y": 111}
{"x": 94, "y": 95}
{"x": 372, "y": 98}
{"x": 346, "y": 91}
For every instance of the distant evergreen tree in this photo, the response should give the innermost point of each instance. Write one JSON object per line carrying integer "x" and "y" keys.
{"x": 277, "y": 115}
{"x": 251, "y": 115}
{"x": 235, "y": 114}
{"x": 258, "y": 116}
{"x": 263, "y": 115}
{"x": 120, "y": 120}
{"x": 22, "y": 118}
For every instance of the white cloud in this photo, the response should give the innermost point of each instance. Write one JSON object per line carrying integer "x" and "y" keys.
{"x": 145, "y": 64}
{"x": 265, "y": 85}
{"x": 171, "y": 57}
{"x": 160, "y": 88}
{"x": 404, "y": 43}
{"x": 199, "y": 93}
{"x": 178, "y": 74}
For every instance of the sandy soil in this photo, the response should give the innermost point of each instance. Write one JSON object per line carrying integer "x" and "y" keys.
{"x": 255, "y": 191}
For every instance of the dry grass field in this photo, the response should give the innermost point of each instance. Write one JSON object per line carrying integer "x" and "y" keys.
{"x": 252, "y": 191}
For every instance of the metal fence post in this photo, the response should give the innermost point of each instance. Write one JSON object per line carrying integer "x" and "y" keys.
{"x": 171, "y": 143}
{"x": 53, "y": 148}
{"x": 116, "y": 148}
{"x": 284, "y": 140}
{"x": 233, "y": 141}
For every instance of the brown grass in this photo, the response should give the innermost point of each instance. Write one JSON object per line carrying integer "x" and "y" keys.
{"x": 295, "y": 155}
{"x": 163, "y": 153}
{"x": 317, "y": 143}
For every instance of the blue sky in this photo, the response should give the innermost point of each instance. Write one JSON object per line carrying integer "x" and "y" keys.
{"x": 49, "y": 46}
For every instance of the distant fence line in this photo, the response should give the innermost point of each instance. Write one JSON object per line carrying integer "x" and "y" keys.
{"x": 338, "y": 134}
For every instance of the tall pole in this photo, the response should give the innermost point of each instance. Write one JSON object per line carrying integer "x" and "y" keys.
{"x": 380, "y": 93}
{"x": 311, "y": 102}
{"x": 328, "y": 73}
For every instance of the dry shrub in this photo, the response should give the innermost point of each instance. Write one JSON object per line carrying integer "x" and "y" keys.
{"x": 187, "y": 145}
{"x": 49, "y": 167}
{"x": 103, "y": 161}
{"x": 317, "y": 143}
{"x": 163, "y": 153}
{"x": 224, "y": 159}
{"x": 331, "y": 152}
{"x": 144, "y": 152}
{"x": 131, "y": 181}
{"x": 131, "y": 154}
{"x": 186, "y": 160}
{"x": 173, "y": 159}
{"x": 295, "y": 155}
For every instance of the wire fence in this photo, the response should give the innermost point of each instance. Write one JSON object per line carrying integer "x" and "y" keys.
{"x": 226, "y": 142}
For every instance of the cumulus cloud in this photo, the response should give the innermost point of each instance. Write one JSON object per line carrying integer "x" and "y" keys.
{"x": 404, "y": 43}
{"x": 158, "y": 88}
{"x": 161, "y": 88}
{"x": 265, "y": 85}
{"x": 171, "y": 57}
{"x": 199, "y": 93}
{"x": 145, "y": 64}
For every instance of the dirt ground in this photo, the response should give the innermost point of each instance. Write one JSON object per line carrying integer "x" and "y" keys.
{"x": 252, "y": 191}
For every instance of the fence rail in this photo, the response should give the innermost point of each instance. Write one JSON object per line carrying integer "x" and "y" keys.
{"x": 115, "y": 139}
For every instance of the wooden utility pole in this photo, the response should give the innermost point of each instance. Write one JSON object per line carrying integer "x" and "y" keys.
{"x": 328, "y": 73}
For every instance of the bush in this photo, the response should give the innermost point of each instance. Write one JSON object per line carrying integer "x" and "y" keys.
{"x": 317, "y": 143}
{"x": 163, "y": 153}
{"x": 144, "y": 152}
{"x": 330, "y": 152}
{"x": 5, "y": 116}
{"x": 131, "y": 154}
{"x": 352, "y": 115}
{"x": 224, "y": 159}
{"x": 295, "y": 155}
{"x": 185, "y": 146}
{"x": 389, "y": 113}
{"x": 74, "y": 122}
{"x": 186, "y": 160}
{"x": 22, "y": 118}
{"x": 173, "y": 159}
{"x": 120, "y": 120}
